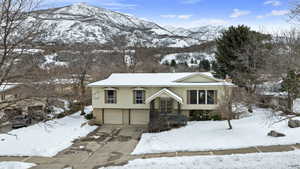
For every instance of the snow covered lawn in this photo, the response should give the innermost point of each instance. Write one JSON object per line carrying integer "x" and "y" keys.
{"x": 213, "y": 135}
{"x": 15, "y": 165}
{"x": 286, "y": 160}
{"x": 45, "y": 139}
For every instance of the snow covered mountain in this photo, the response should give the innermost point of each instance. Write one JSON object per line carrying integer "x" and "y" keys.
{"x": 202, "y": 33}
{"x": 83, "y": 23}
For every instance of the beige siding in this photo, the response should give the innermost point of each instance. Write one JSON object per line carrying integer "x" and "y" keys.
{"x": 197, "y": 79}
{"x": 139, "y": 117}
{"x": 125, "y": 98}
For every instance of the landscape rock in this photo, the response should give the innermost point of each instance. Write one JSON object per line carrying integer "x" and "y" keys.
{"x": 294, "y": 123}
{"x": 273, "y": 133}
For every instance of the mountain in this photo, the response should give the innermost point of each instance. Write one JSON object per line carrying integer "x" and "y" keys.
{"x": 203, "y": 33}
{"x": 80, "y": 22}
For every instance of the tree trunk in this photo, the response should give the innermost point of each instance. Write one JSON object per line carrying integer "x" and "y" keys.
{"x": 290, "y": 103}
{"x": 82, "y": 94}
{"x": 229, "y": 124}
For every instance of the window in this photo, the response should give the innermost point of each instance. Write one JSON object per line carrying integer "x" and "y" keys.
{"x": 139, "y": 97}
{"x": 192, "y": 96}
{"x": 166, "y": 105}
{"x": 110, "y": 96}
{"x": 202, "y": 96}
{"x": 211, "y": 97}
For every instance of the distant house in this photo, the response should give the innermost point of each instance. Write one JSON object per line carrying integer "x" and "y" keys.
{"x": 9, "y": 91}
{"x": 133, "y": 98}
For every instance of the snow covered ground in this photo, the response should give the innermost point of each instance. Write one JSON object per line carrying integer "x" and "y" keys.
{"x": 45, "y": 139}
{"x": 286, "y": 160}
{"x": 15, "y": 165}
{"x": 214, "y": 135}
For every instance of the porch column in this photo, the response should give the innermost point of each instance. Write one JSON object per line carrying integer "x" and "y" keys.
{"x": 179, "y": 107}
{"x": 152, "y": 110}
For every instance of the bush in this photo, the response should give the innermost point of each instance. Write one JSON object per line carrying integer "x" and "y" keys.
{"x": 60, "y": 115}
{"x": 89, "y": 116}
{"x": 216, "y": 117}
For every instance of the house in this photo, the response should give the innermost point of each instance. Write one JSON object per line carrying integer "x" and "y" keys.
{"x": 133, "y": 98}
{"x": 8, "y": 91}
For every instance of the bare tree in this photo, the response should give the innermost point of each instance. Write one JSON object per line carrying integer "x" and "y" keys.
{"x": 285, "y": 65}
{"x": 225, "y": 106}
{"x": 251, "y": 61}
{"x": 16, "y": 32}
{"x": 79, "y": 70}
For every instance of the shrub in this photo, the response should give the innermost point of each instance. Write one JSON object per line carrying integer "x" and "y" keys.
{"x": 89, "y": 116}
{"x": 216, "y": 117}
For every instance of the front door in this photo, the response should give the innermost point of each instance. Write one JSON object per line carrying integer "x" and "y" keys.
{"x": 166, "y": 105}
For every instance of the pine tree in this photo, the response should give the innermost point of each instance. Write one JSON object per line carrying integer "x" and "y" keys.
{"x": 173, "y": 63}
{"x": 231, "y": 41}
{"x": 192, "y": 61}
{"x": 204, "y": 65}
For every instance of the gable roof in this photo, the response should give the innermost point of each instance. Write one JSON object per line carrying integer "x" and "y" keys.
{"x": 156, "y": 80}
{"x": 167, "y": 92}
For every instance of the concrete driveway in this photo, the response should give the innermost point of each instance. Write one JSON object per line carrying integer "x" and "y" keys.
{"x": 108, "y": 145}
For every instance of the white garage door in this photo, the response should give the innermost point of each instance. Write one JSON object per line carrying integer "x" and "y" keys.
{"x": 139, "y": 117}
{"x": 113, "y": 117}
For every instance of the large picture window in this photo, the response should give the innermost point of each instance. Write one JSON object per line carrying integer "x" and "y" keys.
{"x": 139, "y": 97}
{"x": 202, "y": 96}
{"x": 192, "y": 96}
{"x": 211, "y": 97}
{"x": 110, "y": 96}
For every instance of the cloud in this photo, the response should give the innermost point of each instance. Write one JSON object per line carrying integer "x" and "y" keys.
{"x": 184, "y": 16}
{"x": 279, "y": 12}
{"x": 171, "y": 16}
{"x": 190, "y": 1}
{"x": 260, "y": 16}
{"x": 273, "y": 2}
{"x": 274, "y": 13}
{"x": 238, "y": 13}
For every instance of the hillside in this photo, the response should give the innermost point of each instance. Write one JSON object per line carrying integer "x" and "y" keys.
{"x": 80, "y": 23}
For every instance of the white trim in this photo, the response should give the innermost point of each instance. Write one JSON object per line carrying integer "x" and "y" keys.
{"x": 138, "y": 88}
{"x": 198, "y": 74}
{"x": 110, "y": 88}
{"x": 167, "y": 92}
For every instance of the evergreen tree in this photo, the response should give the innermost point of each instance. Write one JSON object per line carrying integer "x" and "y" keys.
{"x": 204, "y": 65}
{"x": 173, "y": 63}
{"x": 192, "y": 61}
{"x": 229, "y": 44}
{"x": 214, "y": 65}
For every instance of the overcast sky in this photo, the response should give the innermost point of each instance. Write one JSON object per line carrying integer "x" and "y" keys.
{"x": 259, "y": 14}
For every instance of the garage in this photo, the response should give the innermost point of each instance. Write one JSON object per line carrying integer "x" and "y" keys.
{"x": 113, "y": 116}
{"x": 139, "y": 117}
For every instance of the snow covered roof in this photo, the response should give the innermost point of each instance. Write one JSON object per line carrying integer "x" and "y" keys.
{"x": 167, "y": 92}
{"x": 156, "y": 80}
{"x": 7, "y": 86}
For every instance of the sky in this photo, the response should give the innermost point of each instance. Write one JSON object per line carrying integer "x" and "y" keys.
{"x": 263, "y": 15}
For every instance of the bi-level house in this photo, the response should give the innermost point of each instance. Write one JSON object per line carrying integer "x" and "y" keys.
{"x": 130, "y": 98}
